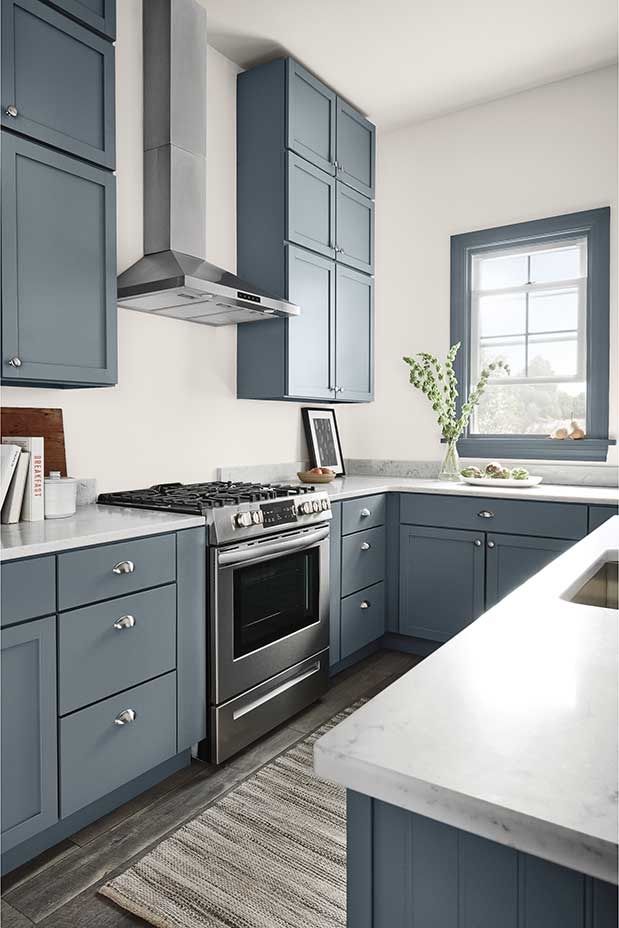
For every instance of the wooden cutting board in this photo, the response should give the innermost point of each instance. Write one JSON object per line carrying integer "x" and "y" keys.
{"x": 23, "y": 421}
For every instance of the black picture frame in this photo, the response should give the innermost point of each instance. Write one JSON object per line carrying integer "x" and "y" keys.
{"x": 323, "y": 440}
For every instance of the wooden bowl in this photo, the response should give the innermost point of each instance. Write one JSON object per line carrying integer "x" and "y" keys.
{"x": 306, "y": 476}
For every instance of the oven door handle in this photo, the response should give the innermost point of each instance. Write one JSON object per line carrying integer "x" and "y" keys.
{"x": 264, "y": 549}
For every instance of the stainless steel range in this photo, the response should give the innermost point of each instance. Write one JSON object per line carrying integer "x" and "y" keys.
{"x": 268, "y": 600}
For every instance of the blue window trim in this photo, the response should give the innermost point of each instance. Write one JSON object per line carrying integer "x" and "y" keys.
{"x": 595, "y": 225}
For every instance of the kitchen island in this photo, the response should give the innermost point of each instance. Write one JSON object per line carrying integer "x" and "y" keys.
{"x": 482, "y": 786}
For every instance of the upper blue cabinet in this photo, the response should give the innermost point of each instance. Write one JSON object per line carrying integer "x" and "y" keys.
{"x": 305, "y": 181}
{"x": 57, "y": 81}
{"x": 99, "y": 15}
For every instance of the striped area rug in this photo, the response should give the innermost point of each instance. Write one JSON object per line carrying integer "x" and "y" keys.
{"x": 269, "y": 854}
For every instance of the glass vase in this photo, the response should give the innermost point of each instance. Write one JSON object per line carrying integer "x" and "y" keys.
{"x": 450, "y": 468}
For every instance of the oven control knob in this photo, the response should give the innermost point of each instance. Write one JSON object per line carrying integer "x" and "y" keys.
{"x": 255, "y": 517}
{"x": 325, "y": 504}
{"x": 305, "y": 508}
{"x": 243, "y": 519}
{"x": 316, "y": 505}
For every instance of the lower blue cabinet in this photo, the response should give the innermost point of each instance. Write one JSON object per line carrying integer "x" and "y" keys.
{"x": 29, "y": 740}
{"x": 441, "y": 580}
{"x": 363, "y": 618}
{"x": 512, "y": 559}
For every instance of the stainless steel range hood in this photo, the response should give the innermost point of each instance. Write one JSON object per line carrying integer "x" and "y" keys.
{"x": 173, "y": 279}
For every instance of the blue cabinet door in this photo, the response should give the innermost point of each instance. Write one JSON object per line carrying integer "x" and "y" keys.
{"x": 356, "y": 149}
{"x": 57, "y": 81}
{"x": 29, "y": 741}
{"x": 600, "y": 514}
{"x": 311, "y": 117}
{"x": 512, "y": 559}
{"x": 335, "y": 577}
{"x": 311, "y": 207}
{"x": 354, "y": 336}
{"x": 441, "y": 580}
{"x": 311, "y": 284}
{"x": 99, "y": 15}
{"x": 355, "y": 229}
{"x": 58, "y": 268}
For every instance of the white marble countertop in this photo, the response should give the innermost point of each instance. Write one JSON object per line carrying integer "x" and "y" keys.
{"x": 91, "y": 525}
{"x": 349, "y": 487}
{"x": 509, "y": 730}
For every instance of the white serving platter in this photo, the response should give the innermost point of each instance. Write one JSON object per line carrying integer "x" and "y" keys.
{"x": 499, "y": 482}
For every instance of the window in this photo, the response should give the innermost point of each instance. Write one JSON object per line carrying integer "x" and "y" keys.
{"x": 536, "y": 296}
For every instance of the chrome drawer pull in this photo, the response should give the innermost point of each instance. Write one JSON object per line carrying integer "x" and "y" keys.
{"x": 366, "y": 546}
{"x": 11, "y": 111}
{"x": 365, "y": 513}
{"x": 125, "y": 621}
{"x": 491, "y": 544}
{"x": 477, "y": 543}
{"x": 486, "y": 514}
{"x": 123, "y": 567}
{"x": 125, "y": 717}
{"x": 365, "y": 604}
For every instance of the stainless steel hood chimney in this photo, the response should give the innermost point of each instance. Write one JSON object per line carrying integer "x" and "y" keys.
{"x": 173, "y": 279}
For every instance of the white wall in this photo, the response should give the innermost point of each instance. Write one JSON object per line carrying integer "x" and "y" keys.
{"x": 548, "y": 151}
{"x": 174, "y": 414}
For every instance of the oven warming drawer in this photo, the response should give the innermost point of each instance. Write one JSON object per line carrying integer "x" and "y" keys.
{"x": 241, "y": 720}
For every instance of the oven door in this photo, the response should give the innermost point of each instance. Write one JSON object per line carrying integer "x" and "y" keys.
{"x": 269, "y": 608}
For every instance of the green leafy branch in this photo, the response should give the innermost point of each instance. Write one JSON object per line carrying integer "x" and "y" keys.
{"x": 439, "y": 383}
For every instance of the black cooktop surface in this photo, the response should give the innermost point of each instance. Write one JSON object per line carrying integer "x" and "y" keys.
{"x": 199, "y": 498}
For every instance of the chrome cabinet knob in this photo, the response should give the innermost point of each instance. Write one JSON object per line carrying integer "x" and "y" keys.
{"x": 365, "y": 546}
{"x": 15, "y": 362}
{"x": 11, "y": 111}
{"x": 123, "y": 567}
{"x": 491, "y": 544}
{"x": 365, "y": 604}
{"x": 365, "y": 513}
{"x": 337, "y": 165}
{"x": 477, "y": 543}
{"x": 485, "y": 514}
{"x": 125, "y": 621}
{"x": 125, "y": 717}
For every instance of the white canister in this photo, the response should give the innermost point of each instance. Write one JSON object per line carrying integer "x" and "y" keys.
{"x": 60, "y": 496}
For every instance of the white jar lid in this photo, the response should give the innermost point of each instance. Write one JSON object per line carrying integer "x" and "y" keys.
{"x": 54, "y": 477}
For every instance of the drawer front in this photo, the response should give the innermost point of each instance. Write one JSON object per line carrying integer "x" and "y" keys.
{"x": 97, "y": 658}
{"x": 363, "y": 513}
{"x": 28, "y": 589}
{"x": 97, "y": 755}
{"x": 363, "y": 618}
{"x": 517, "y": 517}
{"x": 94, "y": 574}
{"x": 363, "y": 559}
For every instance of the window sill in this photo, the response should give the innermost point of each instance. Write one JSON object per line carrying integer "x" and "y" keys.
{"x": 538, "y": 449}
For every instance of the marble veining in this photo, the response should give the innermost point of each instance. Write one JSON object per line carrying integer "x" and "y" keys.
{"x": 509, "y": 730}
{"x": 91, "y": 525}
{"x": 591, "y": 475}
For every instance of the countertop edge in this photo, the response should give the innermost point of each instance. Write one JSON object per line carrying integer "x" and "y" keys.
{"x": 577, "y": 851}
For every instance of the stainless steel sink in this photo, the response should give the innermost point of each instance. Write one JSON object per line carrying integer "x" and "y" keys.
{"x": 600, "y": 589}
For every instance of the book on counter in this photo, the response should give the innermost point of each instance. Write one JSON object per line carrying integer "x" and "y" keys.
{"x": 33, "y": 508}
{"x": 9, "y": 456}
{"x": 12, "y": 506}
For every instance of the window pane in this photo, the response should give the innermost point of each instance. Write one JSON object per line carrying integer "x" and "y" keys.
{"x": 553, "y": 310}
{"x": 557, "y": 264}
{"x": 553, "y": 357}
{"x": 529, "y": 409}
{"x": 502, "y": 315}
{"x": 509, "y": 350}
{"x": 500, "y": 272}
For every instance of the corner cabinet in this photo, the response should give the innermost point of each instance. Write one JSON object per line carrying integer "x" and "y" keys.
{"x": 58, "y": 194}
{"x": 305, "y": 173}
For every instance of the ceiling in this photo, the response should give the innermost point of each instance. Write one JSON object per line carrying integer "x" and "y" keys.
{"x": 402, "y": 61}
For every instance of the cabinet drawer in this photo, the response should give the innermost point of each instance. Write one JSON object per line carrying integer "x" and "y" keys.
{"x": 363, "y": 513}
{"x": 363, "y": 559}
{"x": 97, "y": 659}
{"x": 97, "y": 755}
{"x": 28, "y": 589}
{"x": 94, "y": 574}
{"x": 518, "y": 517}
{"x": 363, "y": 618}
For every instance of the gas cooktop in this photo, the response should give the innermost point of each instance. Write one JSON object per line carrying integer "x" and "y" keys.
{"x": 201, "y": 498}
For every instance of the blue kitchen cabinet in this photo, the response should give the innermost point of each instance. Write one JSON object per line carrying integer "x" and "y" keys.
{"x": 355, "y": 229}
{"x": 335, "y": 583}
{"x": 355, "y": 149}
{"x": 354, "y": 336}
{"x": 311, "y": 207}
{"x": 99, "y": 15}
{"x": 29, "y": 739}
{"x": 58, "y": 268}
{"x": 512, "y": 559}
{"x": 311, "y": 107}
{"x": 57, "y": 81}
{"x": 441, "y": 580}
{"x": 600, "y": 514}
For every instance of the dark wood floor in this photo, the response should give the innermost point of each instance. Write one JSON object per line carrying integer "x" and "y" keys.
{"x": 59, "y": 888}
